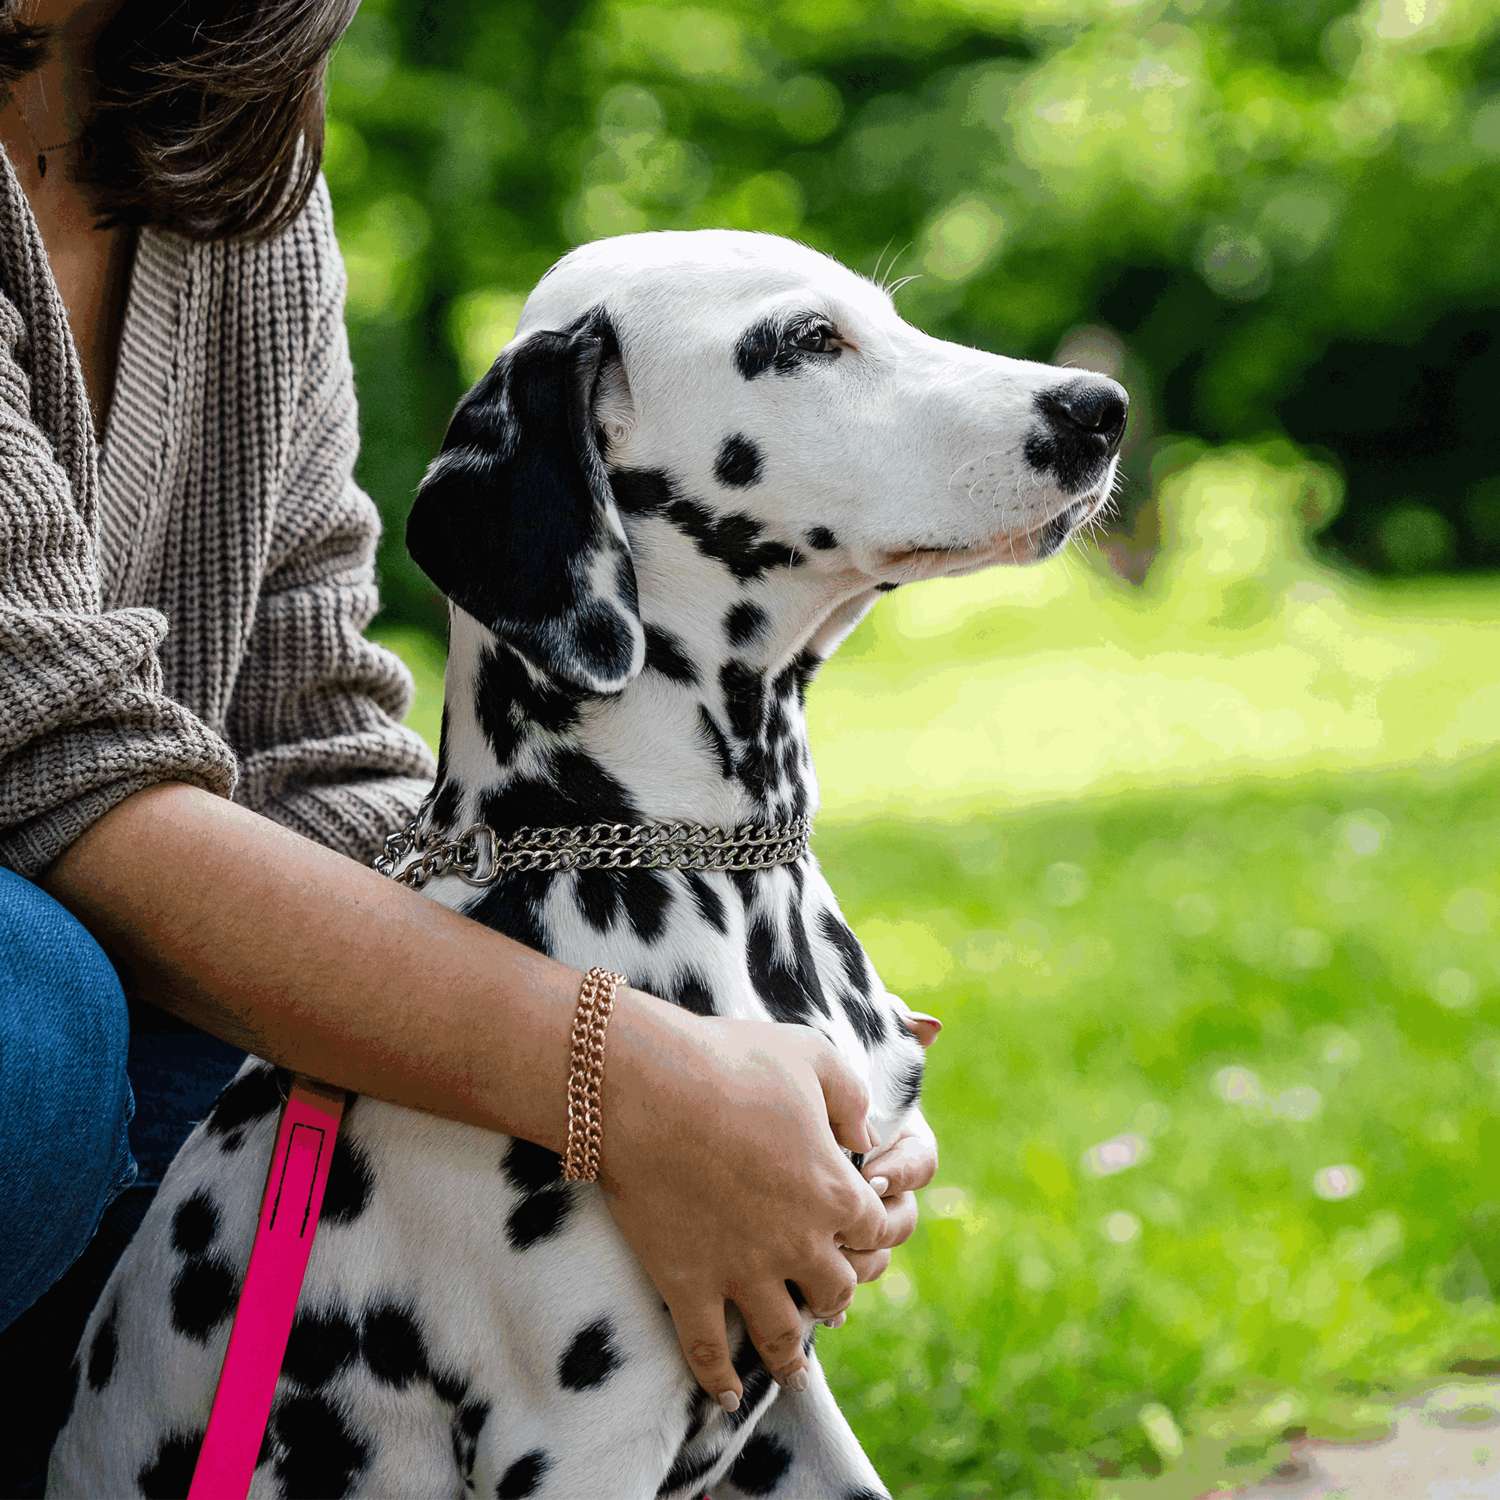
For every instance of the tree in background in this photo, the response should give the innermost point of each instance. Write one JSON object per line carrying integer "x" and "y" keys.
{"x": 1268, "y": 217}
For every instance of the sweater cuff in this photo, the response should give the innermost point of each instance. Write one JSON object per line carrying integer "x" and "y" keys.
{"x": 354, "y": 817}
{"x": 119, "y": 761}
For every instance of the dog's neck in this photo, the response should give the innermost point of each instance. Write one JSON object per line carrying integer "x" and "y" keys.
{"x": 712, "y": 731}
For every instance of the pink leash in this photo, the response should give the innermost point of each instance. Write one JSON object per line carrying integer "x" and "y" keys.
{"x": 268, "y": 1300}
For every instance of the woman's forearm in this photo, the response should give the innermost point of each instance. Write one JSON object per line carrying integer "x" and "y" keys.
{"x": 299, "y": 955}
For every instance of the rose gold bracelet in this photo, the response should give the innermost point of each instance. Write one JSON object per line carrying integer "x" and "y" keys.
{"x": 596, "y": 999}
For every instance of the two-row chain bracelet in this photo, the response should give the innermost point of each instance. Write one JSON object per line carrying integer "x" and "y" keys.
{"x": 596, "y": 999}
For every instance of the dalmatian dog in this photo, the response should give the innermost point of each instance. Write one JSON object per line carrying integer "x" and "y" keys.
{"x": 694, "y": 469}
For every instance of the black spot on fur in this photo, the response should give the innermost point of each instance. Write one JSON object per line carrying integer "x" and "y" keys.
{"x": 761, "y": 1463}
{"x": 665, "y": 654}
{"x": 642, "y": 895}
{"x": 392, "y": 1345}
{"x": 464, "y": 1432}
{"x": 851, "y": 955}
{"x": 446, "y": 797}
{"x": 755, "y": 350}
{"x": 863, "y": 1494}
{"x": 203, "y": 1295}
{"x": 744, "y": 622}
{"x": 776, "y": 980}
{"x": 738, "y": 464}
{"x": 769, "y": 345}
{"x": 598, "y": 898}
{"x": 708, "y": 901}
{"x": 821, "y": 538}
{"x": 530, "y": 1167}
{"x": 603, "y": 640}
{"x": 590, "y": 1359}
{"x": 744, "y": 697}
{"x": 195, "y": 1224}
{"x": 508, "y": 701}
{"x": 350, "y": 1182}
{"x": 449, "y": 1387}
{"x": 744, "y": 881}
{"x": 717, "y": 743}
{"x": 320, "y": 1456}
{"x": 803, "y": 961}
{"x": 909, "y": 1090}
{"x": 321, "y": 1344}
{"x": 755, "y": 1382}
{"x": 575, "y": 790}
{"x": 523, "y": 1476}
{"x": 169, "y": 1475}
{"x": 691, "y": 991}
{"x": 103, "y": 1350}
{"x": 247, "y": 1098}
{"x": 866, "y": 1019}
{"x": 687, "y": 1467}
{"x": 733, "y": 539}
{"x": 511, "y": 906}
{"x": 886, "y": 588}
{"x": 642, "y": 492}
{"x": 537, "y": 1218}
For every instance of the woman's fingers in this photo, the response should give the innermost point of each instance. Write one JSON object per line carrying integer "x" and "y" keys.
{"x": 830, "y": 1290}
{"x": 900, "y": 1222}
{"x": 867, "y": 1265}
{"x": 775, "y": 1328}
{"x": 909, "y": 1162}
{"x": 847, "y": 1098}
{"x": 705, "y": 1342}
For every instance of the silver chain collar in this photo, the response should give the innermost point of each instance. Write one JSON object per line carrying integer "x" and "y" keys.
{"x": 480, "y": 856}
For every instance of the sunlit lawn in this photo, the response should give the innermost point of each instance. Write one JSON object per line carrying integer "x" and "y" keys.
{"x": 1218, "y": 1094}
{"x": 1217, "y": 1102}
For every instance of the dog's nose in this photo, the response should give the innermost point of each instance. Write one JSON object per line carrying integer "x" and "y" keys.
{"x": 1097, "y": 407}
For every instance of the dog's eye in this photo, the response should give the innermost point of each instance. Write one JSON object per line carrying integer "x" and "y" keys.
{"x": 816, "y": 338}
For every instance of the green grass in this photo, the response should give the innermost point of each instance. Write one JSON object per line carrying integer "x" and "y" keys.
{"x": 1256, "y": 984}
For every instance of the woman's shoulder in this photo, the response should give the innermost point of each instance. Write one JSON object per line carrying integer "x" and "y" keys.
{"x": 284, "y": 288}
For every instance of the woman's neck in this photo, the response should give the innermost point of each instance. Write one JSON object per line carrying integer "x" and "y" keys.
{"x": 41, "y": 118}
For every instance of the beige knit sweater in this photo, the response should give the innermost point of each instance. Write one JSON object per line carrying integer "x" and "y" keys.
{"x": 189, "y": 604}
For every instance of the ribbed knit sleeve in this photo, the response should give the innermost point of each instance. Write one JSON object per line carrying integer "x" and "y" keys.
{"x": 84, "y": 721}
{"x": 316, "y": 708}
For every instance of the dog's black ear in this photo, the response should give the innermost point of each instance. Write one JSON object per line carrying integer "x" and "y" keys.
{"x": 516, "y": 523}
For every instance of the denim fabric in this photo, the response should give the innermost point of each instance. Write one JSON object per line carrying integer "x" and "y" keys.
{"x": 71, "y": 1051}
{"x": 177, "y": 1072}
{"x": 65, "y": 1100}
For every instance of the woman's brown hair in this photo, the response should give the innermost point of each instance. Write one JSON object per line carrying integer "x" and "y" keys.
{"x": 209, "y": 113}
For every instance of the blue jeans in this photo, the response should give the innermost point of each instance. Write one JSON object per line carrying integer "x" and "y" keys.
{"x": 77, "y": 1061}
{"x": 70, "y": 1049}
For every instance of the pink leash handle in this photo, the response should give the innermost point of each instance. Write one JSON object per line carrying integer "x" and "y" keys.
{"x": 268, "y": 1300}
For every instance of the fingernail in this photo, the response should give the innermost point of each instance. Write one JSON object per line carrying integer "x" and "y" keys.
{"x": 882, "y": 1186}
{"x": 836, "y": 1321}
{"x": 796, "y": 1381}
{"x": 728, "y": 1400}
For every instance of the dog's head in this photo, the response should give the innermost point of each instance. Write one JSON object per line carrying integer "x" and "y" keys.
{"x": 770, "y": 406}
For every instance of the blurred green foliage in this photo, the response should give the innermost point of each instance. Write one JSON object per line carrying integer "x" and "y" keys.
{"x": 1269, "y": 217}
{"x": 1218, "y": 1097}
{"x": 1218, "y": 1103}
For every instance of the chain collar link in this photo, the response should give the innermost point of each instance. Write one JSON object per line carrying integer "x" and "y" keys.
{"x": 480, "y": 856}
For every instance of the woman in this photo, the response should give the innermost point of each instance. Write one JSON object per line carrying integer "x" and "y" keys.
{"x": 180, "y": 622}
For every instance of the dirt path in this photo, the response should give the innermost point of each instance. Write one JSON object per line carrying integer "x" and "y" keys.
{"x": 1445, "y": 1446}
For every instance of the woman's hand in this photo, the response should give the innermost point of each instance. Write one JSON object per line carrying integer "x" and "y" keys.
{"x": 896, "y": 1171}
{"x": 722, "y": 1168}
